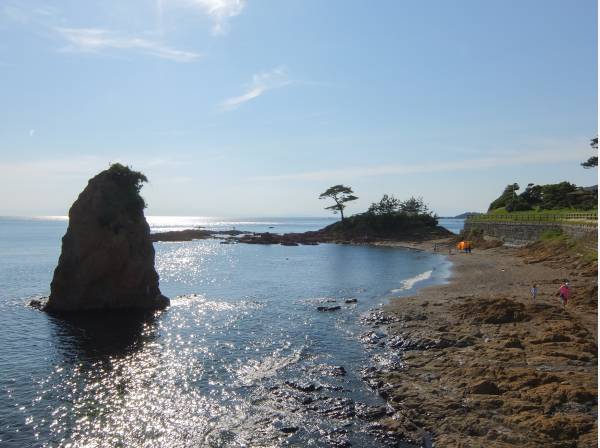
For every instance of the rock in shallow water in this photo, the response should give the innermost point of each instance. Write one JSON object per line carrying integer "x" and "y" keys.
{"x": 107, "y": 258}
{"x": 328, "y": 308}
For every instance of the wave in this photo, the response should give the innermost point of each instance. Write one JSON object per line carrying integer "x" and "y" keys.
{"x": 255, "y": 370}
{"x": 409, "y": 283}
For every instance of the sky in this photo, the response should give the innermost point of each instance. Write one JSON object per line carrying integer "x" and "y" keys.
{"x": 242, "y": 108}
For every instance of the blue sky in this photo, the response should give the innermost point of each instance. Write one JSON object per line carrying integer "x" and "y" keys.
{"x": 253, "y": 108}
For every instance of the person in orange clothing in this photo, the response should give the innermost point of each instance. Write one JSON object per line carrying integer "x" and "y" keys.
{"x": 467, "y": 247}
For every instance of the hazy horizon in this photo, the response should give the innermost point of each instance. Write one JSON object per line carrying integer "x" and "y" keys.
{"x": 244, "y": 108}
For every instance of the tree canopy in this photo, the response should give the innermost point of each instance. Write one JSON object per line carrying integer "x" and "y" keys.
{"x": 340, "y": 195}
{"x": 546, "y": 197}
{"x": 386, "y": 206}
{"x": 126, "y": 197}
{"x": 592, "y": 161}
{"x": 507, "y": 195}
{"x": 389, "y": 205}
{"x": 414, "y": 206}
{"x": 127, "y": 177}
{"x": 388, "y": 218}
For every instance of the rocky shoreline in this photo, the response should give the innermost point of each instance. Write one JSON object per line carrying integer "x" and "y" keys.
{"x": 310, "y": 238}
{"x": 474, "y": 363}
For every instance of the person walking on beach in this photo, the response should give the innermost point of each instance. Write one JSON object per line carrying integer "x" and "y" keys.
{"x": 564, "y": 292}
{"x": 534, "y": 291}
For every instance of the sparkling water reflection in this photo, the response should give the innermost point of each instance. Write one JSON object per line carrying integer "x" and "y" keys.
{"x": 241, "y": 358}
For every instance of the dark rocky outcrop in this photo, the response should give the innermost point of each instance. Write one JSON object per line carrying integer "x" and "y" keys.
{"x": 364, "y": 228}
{"x": 192, "y": 234}
{"x": 328, "y": 308}
{"x": 107, "y": 258}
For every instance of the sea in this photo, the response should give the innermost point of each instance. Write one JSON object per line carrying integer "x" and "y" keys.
{"x": 241, "y": 358}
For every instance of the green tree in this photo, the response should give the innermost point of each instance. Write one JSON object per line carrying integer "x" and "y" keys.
{"x": 532, "y": 194}
{"x": 558, "y": 195}
{"x": 414, "y": 206}
{"x": 386, "y": 206}
{"x": 125, "y": 197}
{"x": 509, "y": 194}
{"x": 340, "y": 195}
{"x": 127, "y": 177}
{"x": 592, "y": 161}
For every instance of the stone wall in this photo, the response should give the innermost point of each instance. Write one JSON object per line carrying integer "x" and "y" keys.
{"x": 522, "y": 233}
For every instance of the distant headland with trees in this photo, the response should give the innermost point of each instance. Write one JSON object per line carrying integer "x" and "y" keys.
{"x": 390, "y": 219}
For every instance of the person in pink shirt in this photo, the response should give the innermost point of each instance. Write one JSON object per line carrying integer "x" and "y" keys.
{"x": 564, "y": 292}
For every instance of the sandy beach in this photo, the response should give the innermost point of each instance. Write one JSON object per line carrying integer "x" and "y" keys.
{"x": 484, "y": 366}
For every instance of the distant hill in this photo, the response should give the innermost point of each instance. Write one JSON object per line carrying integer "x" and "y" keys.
{"x": 461, "y": 216}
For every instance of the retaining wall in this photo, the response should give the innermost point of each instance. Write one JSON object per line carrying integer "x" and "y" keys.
{"x": 523, "y": 233}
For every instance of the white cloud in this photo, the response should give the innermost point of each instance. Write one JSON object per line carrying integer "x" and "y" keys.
{"x": 261, "y": 83}
{"x": 219, "y": 11}
{"x": 31, "y": 132}
{"x": 90, "y": 40}
{"x": 530, "y": 158}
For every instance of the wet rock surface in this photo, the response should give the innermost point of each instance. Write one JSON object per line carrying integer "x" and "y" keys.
{"x": 107, "y": 257}
{"x": 329, "y": 308}
{"x": 326, "y": 409}
{"x": 476, "y": 364}
{"x": 194, "y": 234}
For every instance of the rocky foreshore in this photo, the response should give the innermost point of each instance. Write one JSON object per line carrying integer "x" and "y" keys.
{"x": 296, "y": 239}
{"x": 193, "y": 234}
{"x": 474, "y": 363}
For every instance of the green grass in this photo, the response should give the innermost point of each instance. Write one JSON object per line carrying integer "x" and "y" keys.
{"x": 553, "y": 235}
{"x": 566, "y": 215}
{"x": 562, "y": 211}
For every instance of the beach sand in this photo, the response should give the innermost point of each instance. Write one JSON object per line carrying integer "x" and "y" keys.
{"x": 483, "y": 366}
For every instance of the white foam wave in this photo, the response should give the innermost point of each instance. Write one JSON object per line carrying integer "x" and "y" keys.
{"x": 409, "y": 283}
{"x": 256, "y": 370}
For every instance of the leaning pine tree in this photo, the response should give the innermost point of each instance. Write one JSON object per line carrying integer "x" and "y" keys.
{"x": 340, "y": 195}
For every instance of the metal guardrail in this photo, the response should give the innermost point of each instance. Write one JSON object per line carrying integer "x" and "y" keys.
{"x": 583, "y": 218}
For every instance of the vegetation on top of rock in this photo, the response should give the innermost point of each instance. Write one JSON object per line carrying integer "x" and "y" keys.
{"x": 127, "y": 177}
{"x": 125, "y": 196}
{"x": 387, "y": 218}
{"x": 546, "y": 197}
{"x": 340, "y": 194}
{"x": 389, "y": 205}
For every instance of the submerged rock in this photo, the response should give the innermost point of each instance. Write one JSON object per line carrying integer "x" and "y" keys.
{"x": 304, "y": 387}
{"x": 107, "y": 258}
{"x": 370, "y": 413}
{"x": 328, "y": 308}
{"x": 37, "y": 304}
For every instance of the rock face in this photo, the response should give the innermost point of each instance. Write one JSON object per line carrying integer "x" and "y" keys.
{"x": 107, "y": 258}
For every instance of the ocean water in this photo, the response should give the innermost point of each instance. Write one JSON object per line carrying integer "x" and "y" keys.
{"x": 222, "y": 366}
{"x": 455, "y": 225}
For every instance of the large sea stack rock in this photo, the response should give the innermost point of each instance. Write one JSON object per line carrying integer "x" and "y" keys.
{"x": 107, "y": 258}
